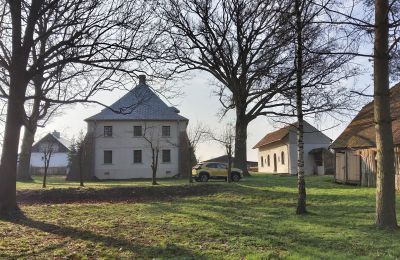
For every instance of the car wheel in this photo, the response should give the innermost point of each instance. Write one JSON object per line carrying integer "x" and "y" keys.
{"x": 235, "y": 177}
{"x": 204, "y": 177}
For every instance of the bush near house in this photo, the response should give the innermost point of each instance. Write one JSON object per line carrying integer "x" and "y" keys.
{"x": 252, "y": 219}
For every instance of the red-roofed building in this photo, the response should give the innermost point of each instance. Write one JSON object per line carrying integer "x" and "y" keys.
{"x": 277, "y": 151}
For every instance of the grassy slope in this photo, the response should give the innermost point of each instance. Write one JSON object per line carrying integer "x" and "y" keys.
{"x": 253, "y": 219}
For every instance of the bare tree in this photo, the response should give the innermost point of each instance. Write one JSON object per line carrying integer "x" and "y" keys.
{"x": 227, "y": 140}
{"x": 152, "y": 136}
{"x": 95, "y": 40}
{"x": 196, "y": 134}
{"x": 318, "y": 75}
{"x": 48, "y": 149}
{"x": 242, "y": 44}
{"x": 77, "y": 154}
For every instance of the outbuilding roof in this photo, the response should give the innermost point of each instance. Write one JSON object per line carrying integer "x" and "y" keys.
{"x": 54, "y": 138}
{"x": 140, "y": 103}
{"x": 272, "y": 137}
{"x": 360, "y": 133}
{"x": 281, "y": 133}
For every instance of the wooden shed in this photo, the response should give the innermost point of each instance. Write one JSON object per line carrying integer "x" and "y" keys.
{"x": 355, "y": 148}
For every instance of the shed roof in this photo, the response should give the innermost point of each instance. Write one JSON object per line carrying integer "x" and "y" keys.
{"x": 360, "y": 133}
{"x": 140, "y": 103}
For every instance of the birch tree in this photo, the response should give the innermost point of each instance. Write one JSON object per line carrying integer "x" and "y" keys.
{"x": 318, "y": 75}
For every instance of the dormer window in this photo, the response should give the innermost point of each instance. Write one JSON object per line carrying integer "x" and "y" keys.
{"x": 108, "y": 131}
{"x": 166, "y": 131}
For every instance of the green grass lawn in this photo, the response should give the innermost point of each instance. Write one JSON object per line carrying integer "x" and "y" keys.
{"x": 58, "y": 182}
{"x": 252, "y": 219}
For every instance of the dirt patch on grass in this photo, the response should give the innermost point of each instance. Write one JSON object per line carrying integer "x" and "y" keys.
{"x": 115, "y": 194}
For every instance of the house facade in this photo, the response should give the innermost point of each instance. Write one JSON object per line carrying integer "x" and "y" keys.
{"x": 57, "y": 148}
{"x": 277, "y": 151}
{"x": 355, "y": 148}
{"x": 125, "y": 135}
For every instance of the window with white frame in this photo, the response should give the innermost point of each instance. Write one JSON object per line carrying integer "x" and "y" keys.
{"x": 108, "y": 131}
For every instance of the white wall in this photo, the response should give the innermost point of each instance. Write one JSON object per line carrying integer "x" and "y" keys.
{"x": 312, "y": 139}
{"x": 270, "y": 150}
{"x": 122, "y": 144}
{"x": 309, "y": 163}
{"x": 56, "y": 160}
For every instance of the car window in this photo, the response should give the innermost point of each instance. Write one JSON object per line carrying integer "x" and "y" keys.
{"x": 222, "y": 166}
{"x": 212, "y": 165}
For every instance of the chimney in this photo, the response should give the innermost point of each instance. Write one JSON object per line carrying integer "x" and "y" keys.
{"x": 142, "y": 79}
{"x": 56, "y": 134}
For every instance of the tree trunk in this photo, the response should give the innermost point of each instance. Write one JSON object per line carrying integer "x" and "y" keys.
{"x": 385, "y": 187}
{"x": 24, "y": 164}
{"x": 301, "y": 202}
{"x": 44, "y": 177}
{"x": 154, "y": 168}
{"x": 8, "y": 166}
{"x": 229, "y": 178}
{"x": 190, "y": 164}
{"x": 241, "y": 141}
{"x": 81, "y": 159}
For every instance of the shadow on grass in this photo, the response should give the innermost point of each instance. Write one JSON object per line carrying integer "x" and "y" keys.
{"x": 116, "y": 194}
{"x": 140, "y": 250}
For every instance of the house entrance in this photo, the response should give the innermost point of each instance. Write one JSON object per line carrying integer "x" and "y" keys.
{"x": 275, "y": 164}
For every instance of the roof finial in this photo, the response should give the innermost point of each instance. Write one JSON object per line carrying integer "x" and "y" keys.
{"x": 142, "y": 79}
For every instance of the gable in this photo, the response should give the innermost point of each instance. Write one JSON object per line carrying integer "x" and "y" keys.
{"x": 311, "y": 135}
{"x": 314, "y": 136}
{"x": 49, "y": 138}
{"x": 273, "y": 137}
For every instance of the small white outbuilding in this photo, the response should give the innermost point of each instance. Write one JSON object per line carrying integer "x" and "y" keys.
{"x": 58, "y": 162}
{"x": 277, "y": 151}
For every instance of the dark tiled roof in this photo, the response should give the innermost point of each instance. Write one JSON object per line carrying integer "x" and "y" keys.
{"x": 361, "y": 131}
{"x": 140, "y": 103}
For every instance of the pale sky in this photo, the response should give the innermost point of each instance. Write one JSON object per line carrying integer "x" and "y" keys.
{"x": 198, "y": 104}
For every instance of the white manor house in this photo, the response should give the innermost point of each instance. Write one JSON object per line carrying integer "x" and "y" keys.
{"x": 123, "y": 136}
